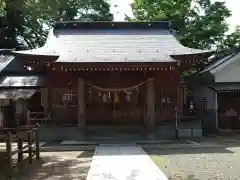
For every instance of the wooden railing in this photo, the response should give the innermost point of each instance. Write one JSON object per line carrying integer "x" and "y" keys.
{"x": 12, "y": 135}
{"x": 38, "y": 117}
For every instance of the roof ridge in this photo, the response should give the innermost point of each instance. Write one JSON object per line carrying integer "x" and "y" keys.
{"x": 224, "y": 58}
{"x": 113, "y": 25}
{"x": 6, "y": 51}
{"x": 224, "y": 55}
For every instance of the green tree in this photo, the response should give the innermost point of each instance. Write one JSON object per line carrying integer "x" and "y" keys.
{"x": 36, "y": 16}
{"x": 10, "y": 20}
{"x": 199, "y": 23}
{"x": 230, "y": 41}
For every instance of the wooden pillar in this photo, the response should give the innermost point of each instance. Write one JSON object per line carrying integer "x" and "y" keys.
{"x": 180, "y": 99}
{"x": 49, "y": 93}
{"x": 145, "y": 112}
{"x": 44, "y": 100}
{"x": 81, "y": 105}
{"x": 9, "y": 155}
{"x": 150, "y": 106}
{"x": 30, "y": 146}
{"x": 28, "y": 118}
{"x": 50, "y": 101}
{"x": 19, "y": 107}
{"x": 25, "y": 112}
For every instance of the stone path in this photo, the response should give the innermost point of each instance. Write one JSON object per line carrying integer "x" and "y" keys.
{"x": 123, "y": 163}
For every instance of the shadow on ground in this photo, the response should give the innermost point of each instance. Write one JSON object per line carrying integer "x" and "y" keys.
{"x": 189, "y": 177}
{"x": 86, "y": 154}
{"x": 63, "y": 166}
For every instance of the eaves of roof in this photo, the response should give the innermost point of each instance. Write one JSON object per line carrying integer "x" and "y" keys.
{"x": 112, "y": 42}
{"x": 221, "y": 62}
{"x": 5, "y": 60}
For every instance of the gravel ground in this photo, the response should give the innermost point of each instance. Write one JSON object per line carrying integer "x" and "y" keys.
{"x": 198, "y": 163}
{"x": 72, "y": 165}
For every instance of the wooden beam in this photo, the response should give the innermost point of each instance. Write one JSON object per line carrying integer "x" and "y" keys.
{"x": 30, "y": 147}
{"x": 37, "y": 142}
{"x": 20, "y": 149}
{"x": 9, "y": 155}
{"x": 138, "y": 66}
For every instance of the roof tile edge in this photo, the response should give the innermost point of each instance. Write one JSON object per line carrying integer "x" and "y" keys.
{"x": 112, "y": 25}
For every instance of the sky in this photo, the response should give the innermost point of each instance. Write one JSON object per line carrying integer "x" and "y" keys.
{"x": 123, "y": 7}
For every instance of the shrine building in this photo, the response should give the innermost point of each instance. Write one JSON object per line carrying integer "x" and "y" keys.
{"x": 221, "y": 86}
{"x": 105, "y": 74}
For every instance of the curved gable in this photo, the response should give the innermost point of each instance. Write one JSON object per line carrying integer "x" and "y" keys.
{"x": 113, "y": 42}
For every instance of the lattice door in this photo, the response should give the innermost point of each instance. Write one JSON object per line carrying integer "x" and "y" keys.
{"x": 64, "y": 101}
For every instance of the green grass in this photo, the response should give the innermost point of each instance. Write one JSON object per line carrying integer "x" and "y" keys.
{"x": 166, "y": 166}
{"x": 161, "y": 162}
{"x": 157, "y": 160}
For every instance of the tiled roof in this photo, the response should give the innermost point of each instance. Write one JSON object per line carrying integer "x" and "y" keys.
{"x": 9, "y": 62}
{"x": 5, "y": 60}
{"x": 220, "y": 61}
{"x": 21, "y": 81}
{"x": 120, "y": 43}
{"x": 226, "y": 86}
{"x": 16, "y": 93}
{"x": 15, "y": 66}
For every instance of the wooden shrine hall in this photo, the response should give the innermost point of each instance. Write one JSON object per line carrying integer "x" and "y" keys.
{"x": 110, "y": 73}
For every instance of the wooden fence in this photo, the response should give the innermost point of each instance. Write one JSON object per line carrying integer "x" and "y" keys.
{"x": 18, "y": 135}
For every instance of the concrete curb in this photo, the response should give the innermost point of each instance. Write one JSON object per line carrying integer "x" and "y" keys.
{"x": 177, "y": 146}
{"x": 67, "y": 148}
{"x": 159, "y": 146}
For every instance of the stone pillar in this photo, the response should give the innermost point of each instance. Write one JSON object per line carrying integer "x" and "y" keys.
{"x": 150, "y": 106}
{"x": 81, "y": 105}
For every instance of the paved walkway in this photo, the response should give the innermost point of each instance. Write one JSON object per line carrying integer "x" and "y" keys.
{"x": 123, "y": 163}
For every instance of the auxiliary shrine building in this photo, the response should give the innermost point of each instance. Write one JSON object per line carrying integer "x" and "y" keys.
{"x": 106, "y": 74}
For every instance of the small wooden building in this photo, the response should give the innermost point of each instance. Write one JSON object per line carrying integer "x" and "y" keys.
{"x": 222, "y": 91}
{"x": 111, "y": 73}
{"x": 16, "y": 86}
